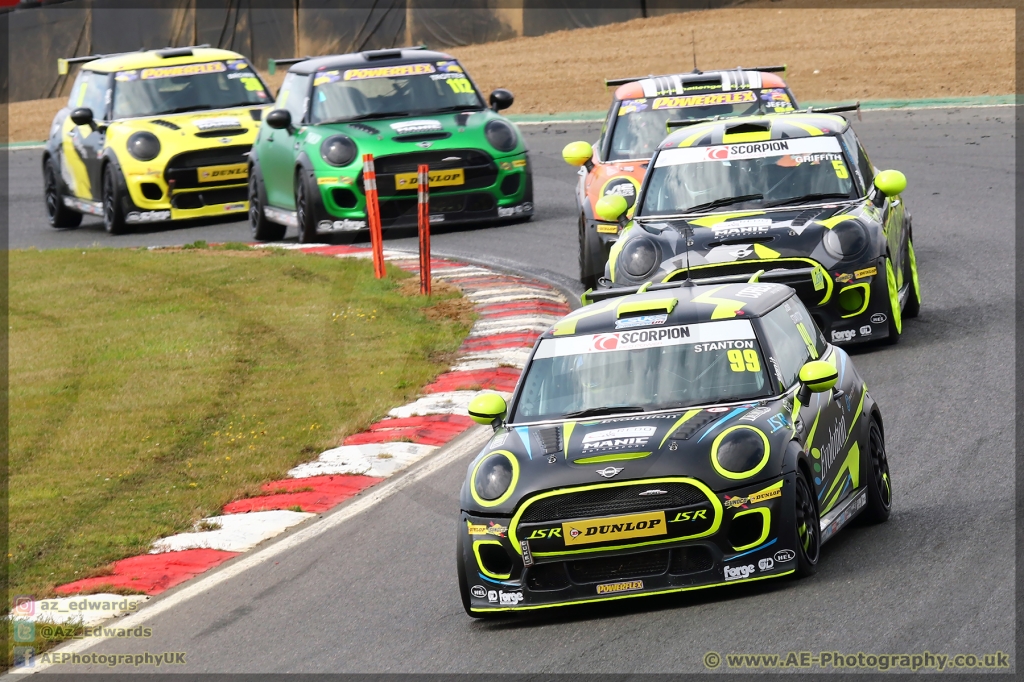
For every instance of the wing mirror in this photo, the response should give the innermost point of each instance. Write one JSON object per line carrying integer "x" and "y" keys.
{"x": 890, "y": 182}
{"x": 501, "y": 99}
{"x": 280, "y": 119}
{"x": 816, "y": 376}
{"x": 579, "y": 154}
{"x": 488, "y": 409}
{"x": 612, "y": 208}
{"x": 83, "y": 117}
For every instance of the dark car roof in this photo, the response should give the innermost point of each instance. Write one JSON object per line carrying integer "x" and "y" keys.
{"x": 368, "y": 59}
{"x": 761, "y": 128}
{"x": 689, "y": 305}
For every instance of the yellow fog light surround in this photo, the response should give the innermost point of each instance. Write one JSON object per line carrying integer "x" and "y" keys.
{"x": 855, "y": 298}
{"x": 739, "y": 475}
{"x": 766, "y": 525}
{"x": 480, "y": 561}
{"x": 512, "y": 483}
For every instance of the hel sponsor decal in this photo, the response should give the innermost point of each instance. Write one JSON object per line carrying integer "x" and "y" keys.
{"x": 441, "y": 178}
{"x": 843, "y": 335}
{"x": 234, "y": 171}
{"x": 704, "y": 100}
{"x": 417, "y": 126}
{"x": 700, "y": 514}
{"x": 183, "y": 70}
{"x": 739, "y": 572}
{"x": 742, "y": 228}
{"x": 147, "y": 216}
{"x": 721, "y": 345}
{"x": 879, "y": 318}
{"x": 389, "y": 71}
{"x": 614, "y": 528}
{"x": 765, "y": 564}
{"x": 725, "y": 330}
{"x": 751, "y": 150}
{"x": 217, "y": 123}
{"x": 784, "y": 555}
{"x": 613, "y": 588}
{"x": 640, "y": 321}
{"x": 478, "y": 591}
{"x": 866, "y": 272}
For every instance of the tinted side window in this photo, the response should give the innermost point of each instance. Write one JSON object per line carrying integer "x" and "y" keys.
{"x": 794, "y": 339}
{"x": 862, "y": 164}
{"x": 90, "y": 91}
{"x": 292, "y": 96}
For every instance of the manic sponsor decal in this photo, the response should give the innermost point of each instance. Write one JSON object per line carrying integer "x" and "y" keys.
{"x": 726, "y": 330}
{"x": 747, "y": 150}
{"x": 616, "y": 439}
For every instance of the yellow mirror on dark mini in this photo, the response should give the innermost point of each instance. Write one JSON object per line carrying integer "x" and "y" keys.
{"x": 818, "y": 376}
{"x": 891, "y": 182}
{"x": 610, "y": 207}
{"x": 577, "y": 153}
{"x": 486, "y": 408}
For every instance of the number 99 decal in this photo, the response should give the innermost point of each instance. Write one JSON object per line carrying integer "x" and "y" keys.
{"x": 744, "y": 361}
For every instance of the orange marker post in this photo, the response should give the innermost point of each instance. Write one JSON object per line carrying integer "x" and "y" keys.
{"x": 373, "y": 215}
{"x": 423, "y": 194}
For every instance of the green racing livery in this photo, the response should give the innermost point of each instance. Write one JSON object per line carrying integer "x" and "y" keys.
{"x": 406, "y": 107}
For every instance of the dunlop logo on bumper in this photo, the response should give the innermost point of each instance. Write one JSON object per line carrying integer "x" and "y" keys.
{"x": 614, "y": 528}
{"x": 439, "y": 178}
{"x": 234, "y": 171}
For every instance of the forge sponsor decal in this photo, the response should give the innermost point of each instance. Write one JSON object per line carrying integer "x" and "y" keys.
{"x": 183, "y": 70}
{"x": 617, "y": 439}
{"x": 235, "y": 171}
{"x": 640, "y": 321}
{"x": 747, "y": 150}
{"x": 739, "y": 572}
{"x": 843, "y": 335}
{"x": 341, "y": 225}
{"x": 704, "y": 100}
{"x": 504, "y": 598}
{"x": 725, "y": 330}
{"x": 389, "y": 71}
{"x": 614, "y": 588}
{"x": 614, "y": 528}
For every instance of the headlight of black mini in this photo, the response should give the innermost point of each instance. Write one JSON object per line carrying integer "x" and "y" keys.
{"x": 338, "y": 150}
{"x": 501, "y": 135}
{"x": 846, "y": 241}
{"x": 493, "y": 477}
{"x": 739, "y": 452}
{"x": 144, "y": 146}
{"x": 639, "y": 257}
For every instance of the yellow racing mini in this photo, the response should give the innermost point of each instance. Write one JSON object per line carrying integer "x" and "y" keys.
{"x": 153, "y": 136}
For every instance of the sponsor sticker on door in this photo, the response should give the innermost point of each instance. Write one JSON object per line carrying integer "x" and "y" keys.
{"x": 587, "y": 532}
{"x": 438, "y": 178}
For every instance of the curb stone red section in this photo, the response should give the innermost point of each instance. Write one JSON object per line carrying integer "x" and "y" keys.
{"x": 327, "y": 492}
{"x": 153, "y": 573}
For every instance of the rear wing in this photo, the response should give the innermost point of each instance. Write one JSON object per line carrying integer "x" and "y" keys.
{"x": 272, "y": 63}
{"x": 164, "y": 52}
{"x": 612, "y": 82}
{"x": 669, "y": 125}
{"x": 779, "y": 275}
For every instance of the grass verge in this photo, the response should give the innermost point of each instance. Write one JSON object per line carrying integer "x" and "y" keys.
{"x": 149, "y": 388}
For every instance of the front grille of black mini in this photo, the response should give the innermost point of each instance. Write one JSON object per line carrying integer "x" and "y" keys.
{"x": 612, "y": 500}
{"x": 690, "y": 560}
{"x": 618, "y": 567}
{"x": 547, "y": 577}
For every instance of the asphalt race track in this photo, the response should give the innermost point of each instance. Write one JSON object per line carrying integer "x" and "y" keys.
{"x": 378, "y": 592}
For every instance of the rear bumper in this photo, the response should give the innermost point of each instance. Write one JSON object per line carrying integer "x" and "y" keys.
{"x": 657, "y": 567}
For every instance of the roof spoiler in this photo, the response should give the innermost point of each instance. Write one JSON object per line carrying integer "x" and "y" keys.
{"x": 780, "y": 274}
{"x": 165, "y": 52}
{"x": 669, "y": 125}
{"x": 610, "y": 82}
{"x": 272, "y": 63}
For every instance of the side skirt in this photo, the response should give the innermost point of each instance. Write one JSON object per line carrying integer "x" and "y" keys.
{"x": 83, "y": 205}
{"x": 281, "y": 217}
{"x": 843, "y": 514}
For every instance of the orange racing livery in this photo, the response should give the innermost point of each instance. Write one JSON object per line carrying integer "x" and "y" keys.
{"x": 634, "y": 127}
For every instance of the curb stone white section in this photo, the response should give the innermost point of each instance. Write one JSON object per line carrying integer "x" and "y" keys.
{"x": 237, "y": 532}
{"x": 537, "y": 324}
{"x": 503, "y": 357}
{"x": 85, "y": 610}
{"x": 372, "y": 459}
{"x": 460, "y": 273}
{"x": 451, "y": 402}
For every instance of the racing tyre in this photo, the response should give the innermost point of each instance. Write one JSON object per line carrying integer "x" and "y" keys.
{"x": 263, "y": 230}
{"x": 463, "y": 580}
{"x": 913, "y": 306}
{"x": 587, "y": 278}
{"x": 808, "y": 528}
{"x": 875, "y": 468}
{"x": 58, "y": 214}
{"x": 895, "y": 314}
{"x": 113, "y": 208}
{"x": 304, "y": 210}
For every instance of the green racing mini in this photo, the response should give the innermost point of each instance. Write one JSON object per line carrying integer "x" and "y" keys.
{"x": 665, "y": 441}
{"x": 406, "y": 107}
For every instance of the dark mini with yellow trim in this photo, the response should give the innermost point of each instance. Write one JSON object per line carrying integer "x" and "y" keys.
{"x": 668, "y": 440}
{"x": 791, "y": 195}
{"x": 153, "y": 136}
